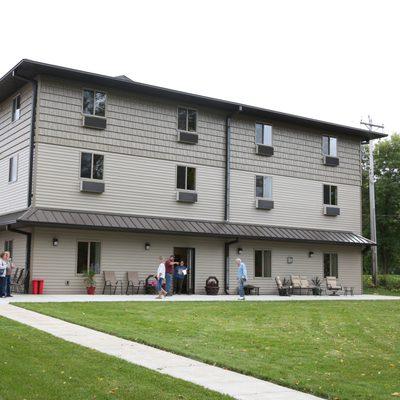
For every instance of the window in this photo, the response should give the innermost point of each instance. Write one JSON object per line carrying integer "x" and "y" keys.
{"x": 186, "y": 178}
{"x": 92, "y": 166}
{"x": 16, "y": 108}
{"x": 94, "y": 103}
{"x": 13, "y": 169}
{"x": 330, "y": 195}
{"x": 264, "y": 187}
{"x": 187, "y": 119}
{"x": 88, "y": 258}
{"x": 331, "y": 265}
{"x": 264, "y": 134}
{"x": 262, "y": 264}
{"x": 329, "y": 146}
{"x": 8, "y": 246}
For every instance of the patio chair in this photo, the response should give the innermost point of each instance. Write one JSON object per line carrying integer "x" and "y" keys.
{"x": 283, "y": 290}
{"x": 15, "y": 275}
{"x": 18, "y": 281}
{"x": 295, "y": 282}
{"x": 133, "y": 281}
{"x": 332, "y": 285}
{"x": 305, "y": 285}
{"x": 111, "y": 281}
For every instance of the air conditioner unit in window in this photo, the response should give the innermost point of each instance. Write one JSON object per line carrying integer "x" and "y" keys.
{"x": 186, "y": 197}
{"x": 264, "y": 204}
{"x": 188, "y": 137}
{"x": 331, "y": 161}
{"x": 94, "y": 122}
{"x": 264, "y": 150}
{"x": 332, "y": 211}
{"x": 92, "y": 187}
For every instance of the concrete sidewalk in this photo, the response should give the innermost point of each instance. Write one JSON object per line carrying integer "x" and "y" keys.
{"x": 238, "y": 386}
{"x": 65, "y": 298}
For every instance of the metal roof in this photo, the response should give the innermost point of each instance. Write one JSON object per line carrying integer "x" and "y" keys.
{"x": 30, "y": 69}
{"x": 149, "y": 224}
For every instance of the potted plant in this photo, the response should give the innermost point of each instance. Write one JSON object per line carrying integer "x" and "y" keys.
{"x": 317, "y": 282}
{"x": 212, "y": 285}
{"x": 90, "y": 282}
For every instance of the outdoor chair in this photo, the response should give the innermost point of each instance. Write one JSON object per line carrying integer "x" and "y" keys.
{"x": 296, "y": 283}
{"x": 332, "y": 285}
{"x": 283, "y": 290}
{"x": 305, "y": 285}
{"x": 111, "y": 281}
{"x": 18, "y": 281}
{"x": 133, "y": 281}
{"x": 15, "y": 275}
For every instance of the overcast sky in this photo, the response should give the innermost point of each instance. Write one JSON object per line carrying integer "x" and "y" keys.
{"x": 338, "y": 61}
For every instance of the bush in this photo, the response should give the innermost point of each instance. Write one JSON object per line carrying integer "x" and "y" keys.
{"x": 390, "y": 282}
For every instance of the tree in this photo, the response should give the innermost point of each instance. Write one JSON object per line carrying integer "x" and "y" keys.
{"x": 387, "y": 192}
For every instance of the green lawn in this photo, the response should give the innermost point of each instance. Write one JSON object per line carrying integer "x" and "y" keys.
{"x": 336, "y": 349}
{"x": 35, "y": 365}
{"x": 382, "y": 291}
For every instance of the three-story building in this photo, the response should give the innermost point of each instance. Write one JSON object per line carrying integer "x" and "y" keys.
{"x": 105, "y": 173}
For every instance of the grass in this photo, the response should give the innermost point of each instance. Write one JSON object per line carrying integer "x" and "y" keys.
{"x": 382, "y": 291}
{"x": 339, "y": 350}
{"x": 36, "y": 365}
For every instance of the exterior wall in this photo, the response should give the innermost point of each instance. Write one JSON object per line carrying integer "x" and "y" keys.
{"x": 349, "y": 263}
{"x": 122, "y": 252}
{"x": 15, "y": 140}
{"x": 19, "y": 246}
{"x": 297, "y": 202}
{"x": 133, "y": 185}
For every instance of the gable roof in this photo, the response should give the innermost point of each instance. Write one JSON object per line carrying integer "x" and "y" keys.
{"x": 9, "y": 84}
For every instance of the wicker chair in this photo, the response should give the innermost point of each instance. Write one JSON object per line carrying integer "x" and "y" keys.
{"x": 111, "y": 281}
{"x": 133, "y": 281}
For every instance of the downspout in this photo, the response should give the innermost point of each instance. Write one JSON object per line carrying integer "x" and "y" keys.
{"x": 226, "y": 266}
{"x": 28, "y": 254}
{"x": 32, "y": 135}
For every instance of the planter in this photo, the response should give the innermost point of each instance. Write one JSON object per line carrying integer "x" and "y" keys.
{"x": 317, "y": 291}
{"x": 91, "y": 289}
{"x": 212, "y": 286}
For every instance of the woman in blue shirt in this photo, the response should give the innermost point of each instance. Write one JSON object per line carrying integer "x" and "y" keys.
{"x": 180, "y": 273}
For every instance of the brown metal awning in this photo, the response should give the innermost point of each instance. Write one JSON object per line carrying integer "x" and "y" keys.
{"x": 162, "y": 225}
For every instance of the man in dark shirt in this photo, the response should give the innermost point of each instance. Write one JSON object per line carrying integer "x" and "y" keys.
{"x": 169, "y": 270}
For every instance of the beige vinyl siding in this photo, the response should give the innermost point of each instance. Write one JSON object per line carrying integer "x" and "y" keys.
{"x": 133, "y": 185}
{"x": 120, "y": 252}
{"x": 297, "y": 153}
{"x": 349, "y": 263}
{"x": 19, "y": 246}
{"x": 14, "y": 195}
{"x": 298, "y": 202}
{"x": 136, "y": 125}
{"x": 15, "y": 140}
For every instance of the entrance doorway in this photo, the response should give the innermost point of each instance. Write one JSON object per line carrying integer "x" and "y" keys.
{"x": 187, "y": 255}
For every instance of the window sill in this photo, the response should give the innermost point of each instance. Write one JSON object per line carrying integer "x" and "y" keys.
{"x": 92, "y": 187}
{"x": 264, "y": 204}
{"x": 186, "y": 197}
{"x": 94, "y": 122}
{"x": 264, "y": 150}
{"x": 330, "y": 161}
{"x": 188, "y": 137}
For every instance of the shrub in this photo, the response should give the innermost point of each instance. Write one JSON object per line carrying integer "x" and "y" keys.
{"x": 390, "y": 282}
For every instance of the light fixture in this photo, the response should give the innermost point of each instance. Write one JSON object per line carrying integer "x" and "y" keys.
{"x": 55, "y": 242}
{"x": 240, "y": 250}
{"x": 289, "y": 260}
{"x": 147, "y": 246}
{"x": 310, "y": 254}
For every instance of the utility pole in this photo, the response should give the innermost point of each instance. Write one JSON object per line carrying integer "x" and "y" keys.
{"x": 372, "y": 213}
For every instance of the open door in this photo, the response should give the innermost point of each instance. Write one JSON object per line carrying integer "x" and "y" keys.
{"x": 187, "y": 255}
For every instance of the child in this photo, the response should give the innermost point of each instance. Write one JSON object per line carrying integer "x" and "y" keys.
{"x": 160, "y": 279}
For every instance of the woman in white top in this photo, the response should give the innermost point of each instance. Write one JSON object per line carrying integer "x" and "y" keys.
{"x": 160, "y": 278}
{"x": 3, "y": 272}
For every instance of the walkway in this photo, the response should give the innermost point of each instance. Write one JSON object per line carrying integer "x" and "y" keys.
{"x": 57, "y": 298}
{"x": 238, "y": 386}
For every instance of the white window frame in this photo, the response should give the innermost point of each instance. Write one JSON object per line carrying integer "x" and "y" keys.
{"x": 330, "y": 263}
{"x": 329, "y": 146}
{"x": 16, "y": 112}
{"x": 91, "y": 167}
{"x": 88, "y": 265}
{"x": 330, "y": 188}
{"x": 13, "y": 169}
{"x": 263, "y": 251}
{"x": 195, "y": 178}
{"x": 255, "y": 186}
{"x": 187, "y": 119}
{"x": 272, "y": 133}
{"x": 94, "y": 97}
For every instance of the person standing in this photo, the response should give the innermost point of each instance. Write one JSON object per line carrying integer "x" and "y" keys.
{"x": 8, "y": 274}
{"x": 169, "y": 270}
{"x": 160, "y": 279}
{"x": 241, "y": 277}
{"x": 3, "y": 271}
{"x": 180, "y": 274}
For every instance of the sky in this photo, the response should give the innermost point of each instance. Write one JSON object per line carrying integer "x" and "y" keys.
{"x": 337, "y": 61}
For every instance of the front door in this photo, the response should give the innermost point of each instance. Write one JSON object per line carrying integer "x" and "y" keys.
{"x": 187, "y": 255}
